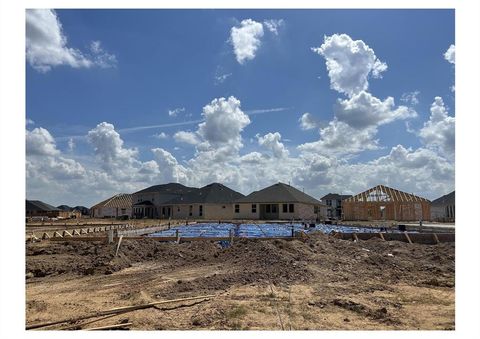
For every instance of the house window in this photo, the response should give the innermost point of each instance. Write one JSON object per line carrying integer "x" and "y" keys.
{"x": 329, "y": 202}
{"x": 285, "y": 209}
{"x": 200, "y": 210}
{"x": 190, "y": 210}
{"x": 267, "y": 208}
{"x": 274, "y": 208}
{"x": 290, "y": 208}
{"x": 315, "y": 209}
{"x": 339, "y": 202}
{"x": 178, "y": 209}
{"x": 124, "y": 211}
{"x": 237, "y": 208}
{"x": 254, "y": 208}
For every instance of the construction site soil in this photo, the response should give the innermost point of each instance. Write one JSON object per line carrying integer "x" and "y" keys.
{"x": 319, "y": 282}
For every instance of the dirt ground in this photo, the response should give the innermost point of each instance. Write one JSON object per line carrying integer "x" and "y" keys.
{"x": 318, "y": 283}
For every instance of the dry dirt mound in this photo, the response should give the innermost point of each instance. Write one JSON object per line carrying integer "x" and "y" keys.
{"x": 255, "y": 261}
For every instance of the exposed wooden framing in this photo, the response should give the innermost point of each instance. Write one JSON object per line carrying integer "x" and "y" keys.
{"x": 408, "y": 238}
{"x": 45, "y": 235}
{"x": 83, "y": 231}
{"x": 380, "y": 234}
{"x": 435, "y": 237}
{"x": 395, "y": 195}
{"x": 401, "y": 206}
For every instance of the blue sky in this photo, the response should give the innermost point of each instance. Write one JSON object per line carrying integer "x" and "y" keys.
{"x": 146, "y": 63}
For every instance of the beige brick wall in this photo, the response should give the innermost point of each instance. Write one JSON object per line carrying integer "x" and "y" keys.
{"x": 218, "y": 212}
{"x": 110, "y": 212}
{"x": 303, "y": 211}
{"x": 246, "y": 212}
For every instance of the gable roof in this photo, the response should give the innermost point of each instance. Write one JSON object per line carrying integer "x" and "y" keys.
{"x": 122, "y": 200}
{"x": 279, "y": 193}
{"x": 382, "y": 193}
{"x": 172, "y": 188}
{"x": 447, "y": 199}
{"x": 37, "y": 205}
{"x": 335, "y": 196}
{"x": 214, "y": 193}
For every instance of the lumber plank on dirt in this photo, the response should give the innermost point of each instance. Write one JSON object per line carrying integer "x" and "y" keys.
{"x": 79, "y": 326}
{"x": 116, "y": 310}
{"x": 65, "y": 233}
{"x": 380, "y": 234}
{"x": 408, "y": 238}
{"x": 56, "y": 234}
{"x": 118, "y": 245}
{"x": 141, "y": 306}
{"x": 435, "y": 237}
{"x": 108, "y": 327}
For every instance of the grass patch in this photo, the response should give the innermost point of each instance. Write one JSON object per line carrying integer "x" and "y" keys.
{"x": 237, "y": 312}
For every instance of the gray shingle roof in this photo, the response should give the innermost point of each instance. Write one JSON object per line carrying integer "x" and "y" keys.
{"x": 335, "y": 196}
{"x": 211, "y": 194}
{"x": 37, "y": 205}
{"x": 172, "y": 188}
{"x": 278, "y": 193}
{"x": 447, "y": 199}
{"x": 121, "y": 200}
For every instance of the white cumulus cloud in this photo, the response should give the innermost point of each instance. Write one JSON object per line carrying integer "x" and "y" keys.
{"x": 272, "y": 142}
{"x": 349, "y": 63}
{"x": 449, "y": 55}
{"x": 186, "y": 137}
{"x": 224, "y": 121}
{"x": 439, "y": 131}
{"x": 39, "y": 141}
{"x": 339, "y": 138}
{"x": 46, "y": 44}
{"x": 308, "y": 121}
{"x": 246, "y": 40}
{"x": 364, "y": 110}
{"x": 108, "y": 147}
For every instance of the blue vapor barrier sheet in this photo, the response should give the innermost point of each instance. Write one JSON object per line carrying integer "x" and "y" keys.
{"x": 255, "y": 230}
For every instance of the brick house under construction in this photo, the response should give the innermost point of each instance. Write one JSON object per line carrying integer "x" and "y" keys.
{"x": 385, "y": 203}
